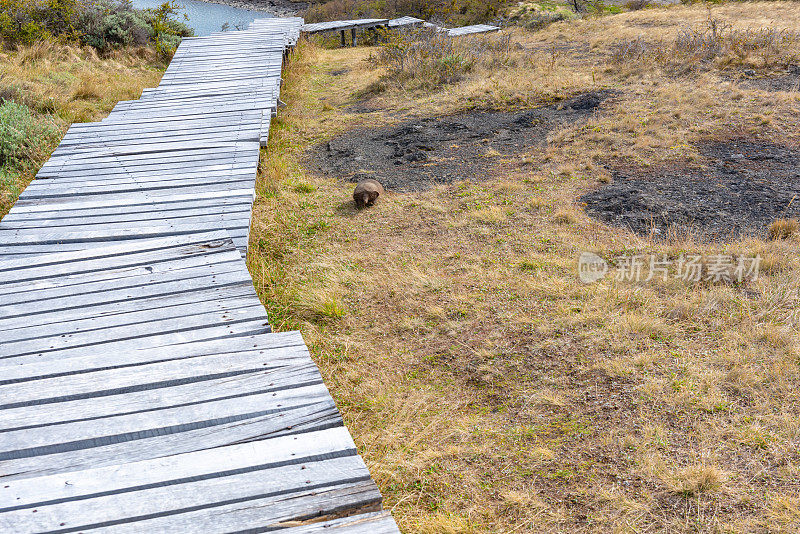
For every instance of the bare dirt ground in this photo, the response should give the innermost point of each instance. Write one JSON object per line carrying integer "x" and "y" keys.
{"x": 786, "y": 82}
{"x": 743, "y": 186}
{"x": 423, "y": 152}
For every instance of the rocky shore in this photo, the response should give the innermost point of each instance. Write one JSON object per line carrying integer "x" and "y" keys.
{"x": 278, "y": 8}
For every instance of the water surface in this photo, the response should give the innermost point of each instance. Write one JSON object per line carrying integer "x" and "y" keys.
{"x": 205, "y": 17}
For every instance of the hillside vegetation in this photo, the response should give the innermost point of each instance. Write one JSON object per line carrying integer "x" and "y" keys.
{"x": 487, "y": 387}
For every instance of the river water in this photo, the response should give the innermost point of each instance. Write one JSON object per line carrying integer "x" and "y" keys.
{"x": 205, "y": 17}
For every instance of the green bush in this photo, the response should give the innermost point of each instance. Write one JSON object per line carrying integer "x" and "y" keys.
{"x": 24, "y": 137}
{"x": 27, "y": 21}
{"x": 102, "y": 24}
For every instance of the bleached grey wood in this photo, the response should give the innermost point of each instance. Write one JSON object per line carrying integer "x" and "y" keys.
{"x": 337, "y": 25}
{"x": 105, "y": 315}
{"x": 108, "y": 201}
{"x": 192, "y": 333}
{"x": 159, "y": 472}
{"x": 28, "y": 298}
{"x": 136, "y": 362}
{"x": 52, "y": 264}
{"x": 136, "y": 327}
{"x": 256, "y": 371}
{"x": 70, "y": 436}
{"x": 102, "y": 360}
{"x": 257, "y": 513}
{"x": 307, "y": 419}
{"x": 368, "y": 523}
{"x": 278, "y": 484}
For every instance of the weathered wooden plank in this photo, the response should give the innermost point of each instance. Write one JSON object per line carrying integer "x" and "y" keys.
{"x": 153, "y": 194}
{"x": 137, "y": 326}
{"x": 135, "y": 253}
{"x": 175, "y": 381}
{"x": 71, "y": 292}
{"x": 163, "y": 124}
{"x": 163, "y": 229}
{"x": 189, "y": 332}
{"x": 308, "y": 419}
{"x": 180, "y": 469}
{"x": 84, "y": 362}
{"x": 238, "y": 211}
{"x": 72, "y": 436}
{"x": 368, "y": 523}
{"x": 265, "y": 513}
{"x": 105, "y": 314}
{"x": 152, "y": 152}
{"x": 337, "y": 25}
{"x": 103, "y": 132}
{"x": 143, "y": 185}
{"x": 176, "y": 171}
{"x": 134, "y": 210}
{"x": 469, "y": 30}
{"x": 271, "y": 489}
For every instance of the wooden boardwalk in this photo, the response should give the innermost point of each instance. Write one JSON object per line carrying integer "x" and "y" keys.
{"x": 141, "y": 388}
{"x": 343, "y": 26}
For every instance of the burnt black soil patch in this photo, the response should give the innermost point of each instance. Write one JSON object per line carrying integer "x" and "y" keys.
{"x": 744, "y": 186}
{"x": 787, "y": 83}
{"x": 426, "y": 151}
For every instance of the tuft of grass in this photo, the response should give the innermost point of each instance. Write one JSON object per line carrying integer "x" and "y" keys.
{"x": 305, "y": 188}
{"x": 564, "y": 217}
{"x": 783, "y": 228}
{"x": 89, "y": 88}
{"x": 694, "y": 480}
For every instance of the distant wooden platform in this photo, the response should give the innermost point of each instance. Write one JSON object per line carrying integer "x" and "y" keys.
{"x": 343, "y": 26}
{"x": 141, "y": 386}
{"x": 469, "y": 30}
{"x": 404, "y": 22}
{"x": 340, "y": 25}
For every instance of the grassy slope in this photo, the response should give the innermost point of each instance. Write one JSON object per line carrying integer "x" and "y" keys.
{"x": 63, "y": 84}
{"x": 489, "y": 390}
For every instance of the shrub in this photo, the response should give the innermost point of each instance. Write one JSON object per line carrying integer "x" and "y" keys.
{"x": 431, "y": 59}
{"x": 535, "y": 15}
{"x": 714, "y": 43}
{"x": 106, "y": 25}
{"x": 102, "y": 24}
{"x": 24, "y": 137}
{"x": 28, "y": 21}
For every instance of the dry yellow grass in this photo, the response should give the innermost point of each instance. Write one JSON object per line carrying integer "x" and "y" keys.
{"x": 783, "y": 228}
{"x": 488, "y": 389}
